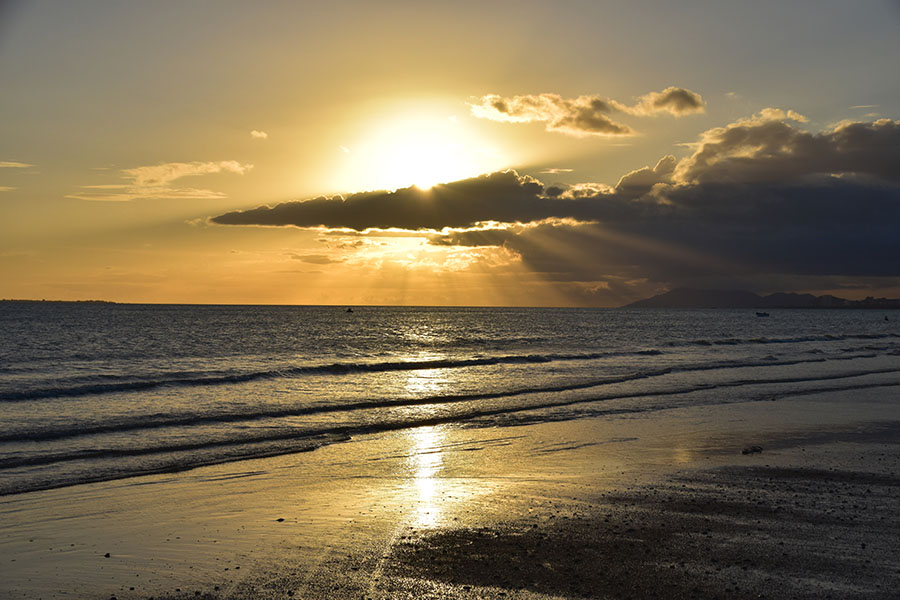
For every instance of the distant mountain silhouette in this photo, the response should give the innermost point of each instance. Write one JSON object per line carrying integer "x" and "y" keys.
{"x": 691, "y": 298}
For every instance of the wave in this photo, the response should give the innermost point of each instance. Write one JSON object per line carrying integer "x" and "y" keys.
{"x": 107, "y": 384}
{"x": 166, "y": 463}
{"x": 101, "y": 464}
{"x": 826, "y": 337}
{"x": 149, "y": 422}
{"x": 176, "y": 458}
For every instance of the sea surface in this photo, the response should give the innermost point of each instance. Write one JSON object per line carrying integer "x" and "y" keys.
{"x": 93, "y": 392}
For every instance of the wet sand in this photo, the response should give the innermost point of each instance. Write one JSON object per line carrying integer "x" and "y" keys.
{"x": 655, "y": 505}
{"x": 735, "y": 532}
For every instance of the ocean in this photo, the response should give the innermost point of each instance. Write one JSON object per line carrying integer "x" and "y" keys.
{"x": 93, "y": 392}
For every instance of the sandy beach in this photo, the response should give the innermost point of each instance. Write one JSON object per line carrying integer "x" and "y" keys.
{"x": 656, "y": 505}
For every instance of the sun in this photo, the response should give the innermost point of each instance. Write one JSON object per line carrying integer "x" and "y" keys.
{"x": 416, "y": 149}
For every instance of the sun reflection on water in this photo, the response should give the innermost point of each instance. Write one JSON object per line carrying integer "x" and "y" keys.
{"x": 425, "y": 382}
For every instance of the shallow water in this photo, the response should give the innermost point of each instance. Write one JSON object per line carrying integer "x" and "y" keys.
{"x": 92, "y": 392}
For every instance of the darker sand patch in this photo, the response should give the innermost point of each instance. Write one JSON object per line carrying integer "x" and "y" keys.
{"x": 737, "y": 532}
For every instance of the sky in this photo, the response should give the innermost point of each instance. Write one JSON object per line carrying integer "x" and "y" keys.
{"x": 447, "y": 153}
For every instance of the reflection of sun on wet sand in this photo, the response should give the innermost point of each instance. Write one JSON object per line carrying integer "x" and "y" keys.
{"x": 436, "y": 493}
{"x": 426, "y": 462}
{"x": 430, "y": 490}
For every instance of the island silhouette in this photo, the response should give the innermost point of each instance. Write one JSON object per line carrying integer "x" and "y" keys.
{"x": 695, "y": 298}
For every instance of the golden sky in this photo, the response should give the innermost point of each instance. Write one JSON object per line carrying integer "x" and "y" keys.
{"x": 464, "y": 153}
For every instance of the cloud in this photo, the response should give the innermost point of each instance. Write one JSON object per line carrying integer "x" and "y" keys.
{"x": 259, "y": 135}
{"x": 502, "y": 196}
{"x": 579, "y": 191}
{"x": 675, "y": 101}
{"x": 317, "y": 259}
{"x": 751, "y": 151}
{"x": 584, "y": 115}
{"x": 810, "y": 226}
{"x": 642, "y": 180}
{"x": 759, "y": 200}
{"x": 154, "y": 181}
{"x": 768, "y": 147}
{"x": 163, "y": 174}
{"x": 832, "y": 228}
{"x": 11, "y": 164}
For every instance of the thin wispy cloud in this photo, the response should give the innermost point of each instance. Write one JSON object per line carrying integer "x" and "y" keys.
{"x": 12, "y": 164}
{"x": 317, "y": 259}
{"x": 155, "y": 181}
{"x": 585, "y": 115}
{"x": 163, "y": 174}
{"x": 259, "y": 135}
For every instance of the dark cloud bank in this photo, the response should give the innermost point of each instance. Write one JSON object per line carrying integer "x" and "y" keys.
{"x": 760, "y": 202}
{"x": 502, "y": 197}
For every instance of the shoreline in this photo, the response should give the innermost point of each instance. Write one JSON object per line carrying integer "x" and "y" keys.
{"x": 450, "y": 512}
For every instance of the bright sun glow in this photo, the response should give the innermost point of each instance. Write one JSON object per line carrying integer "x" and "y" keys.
{"x": 420, "y": 150}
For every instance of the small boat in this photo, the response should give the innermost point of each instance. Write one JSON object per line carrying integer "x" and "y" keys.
{"x": 762, "y": 314}
{"x": 349, "y": 310}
